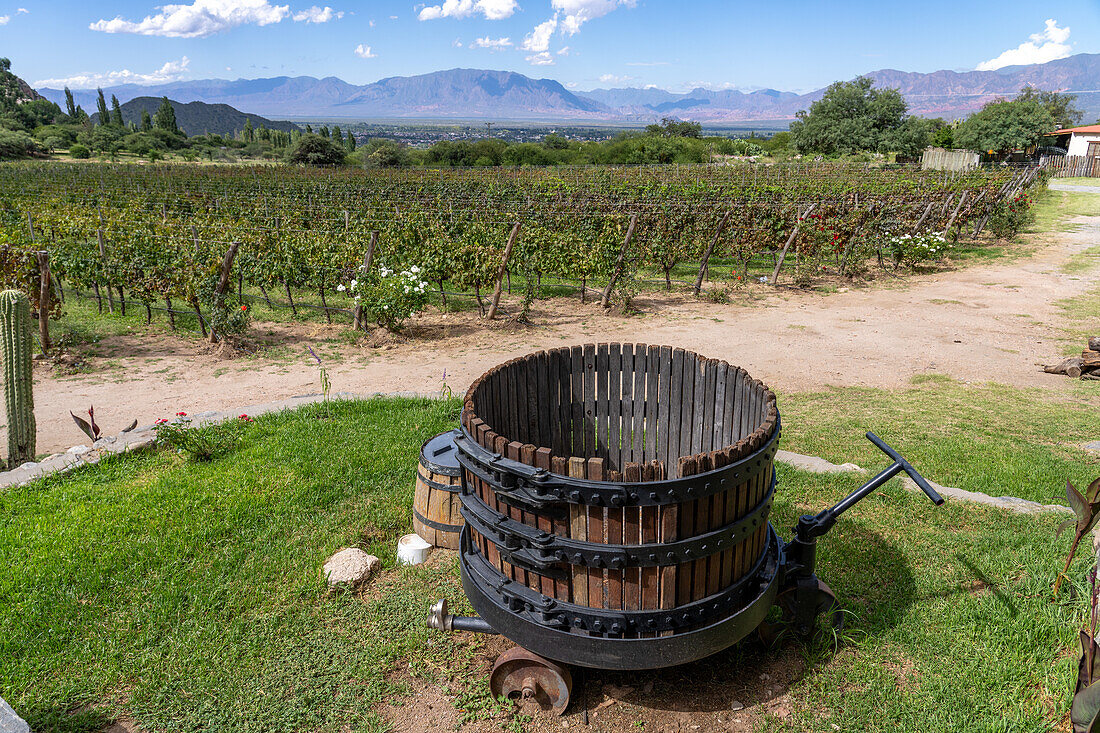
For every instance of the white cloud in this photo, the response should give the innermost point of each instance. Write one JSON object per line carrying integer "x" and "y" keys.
{"x": 200, "y": 19}
{"x": 370, "y": 23}
{"x": 171, "y": 71}
{"x": 493, "y": 44}
{"x": 491, "y": 9}
{"x": 541, "y": 59}
{"x": 647, "y": 63}
{"x": 364, "y": 52}
{"x": 613, "y": 79}
{"x": 563, "y": 51}
{"x": 538, "y": 40}
{"x": 578, "y": 12}
{"x": 319, "y": 15}
{"x": 21, "y": 10}
{"x": 1041, "y": 48}
{"x": 5, "y": 19}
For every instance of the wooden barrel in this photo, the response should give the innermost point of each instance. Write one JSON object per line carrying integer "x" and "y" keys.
{"x": 437, "y": 502}
{"x": 615, "y": 417}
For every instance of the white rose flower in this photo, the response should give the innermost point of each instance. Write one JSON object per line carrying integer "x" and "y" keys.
{"x": 340, "y": 288}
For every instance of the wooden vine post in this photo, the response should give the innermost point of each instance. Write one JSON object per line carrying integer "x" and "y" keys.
{"x": 618, "y": 271}
{"x": 500, "y": 273}
{"x": 44, "y": 300}
{"x": 368, "y": 258}
{"x": 223, "y": 283}
{"x": 707, "y": 254}
{"x": 790, "y": 241}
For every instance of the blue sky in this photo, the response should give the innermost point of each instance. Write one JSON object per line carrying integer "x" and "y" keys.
{"x": 797, "y": 45}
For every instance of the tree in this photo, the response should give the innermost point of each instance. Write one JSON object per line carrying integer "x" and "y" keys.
{"x": 337, "y": 135}
{"x": 165, "y": 117}
{"x": 852, "y": 117}
{"x": 350, "y": 142}
{"x": 670, "y": 127}
{"x": 101, "y": 108}
{"x": 116, "y": 112}
{"x": 247, "y": 134}
{"x": 323, "y": 132}
{"x": 316, "y": 150}
{"x": 146, "y": 121}
{"x": 1060, "y": 106}
{"x": 70, "y": 105}
{"x": 1002, "y": 126}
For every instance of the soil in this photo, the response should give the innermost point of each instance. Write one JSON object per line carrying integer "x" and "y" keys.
{"x": 992, "y": 322}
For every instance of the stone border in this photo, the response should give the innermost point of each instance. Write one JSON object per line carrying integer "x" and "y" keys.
{"x": 143, "y": 437}
{"x": 813, "y": 464}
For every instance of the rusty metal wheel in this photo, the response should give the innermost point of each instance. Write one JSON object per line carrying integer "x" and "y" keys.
{"x": 528, "y": 678}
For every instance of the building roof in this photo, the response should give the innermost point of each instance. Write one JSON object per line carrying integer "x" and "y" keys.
{"x": 1086, "y": 130}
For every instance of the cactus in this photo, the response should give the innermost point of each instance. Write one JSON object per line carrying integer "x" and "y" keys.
{"x": 18, "y": 342}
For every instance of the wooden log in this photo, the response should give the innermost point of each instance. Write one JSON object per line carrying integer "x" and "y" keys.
{"x": 1094, "y": 343}
{"x": 1071, "y": 367}
{"x": 500, "y": 273}
{"x": 357, "y": 318}
{"x": 1090, "y": 359}
{"x": 223, "y": 279}
{"x": 618, "y": 269}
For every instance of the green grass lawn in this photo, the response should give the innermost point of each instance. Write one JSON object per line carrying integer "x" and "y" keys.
{"x": 188, "y": 597}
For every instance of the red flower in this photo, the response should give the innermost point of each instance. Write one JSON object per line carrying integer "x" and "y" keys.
{"x": 181, "y": 414}
{"x": 161, "y": 421}
{"x": 246, "y": 418}
{"x": 244, "y": 307}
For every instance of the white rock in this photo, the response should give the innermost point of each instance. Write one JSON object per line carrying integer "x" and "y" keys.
{"x": 349, "y": 568}
{"x": 10, "y": 722}
{"x": 78, "y": 450}
{"x": 29, "y": 465}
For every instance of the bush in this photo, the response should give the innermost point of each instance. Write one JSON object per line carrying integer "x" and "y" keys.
{"x": 203, "y": 443}
{"x": 17, "y": 145}
{"x": 316, "y": 150}
{"x": 80, "y": 151}
{"x": 1009, "y": 218}
{"x": 387, "y": 297}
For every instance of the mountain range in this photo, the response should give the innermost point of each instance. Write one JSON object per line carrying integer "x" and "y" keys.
{"x": 475, "y": 94}
{"x": 198, "y": 118}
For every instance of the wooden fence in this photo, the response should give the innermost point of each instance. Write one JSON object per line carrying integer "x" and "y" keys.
{"x": 1071, "y": 166}
{"x": 939, "y": 159}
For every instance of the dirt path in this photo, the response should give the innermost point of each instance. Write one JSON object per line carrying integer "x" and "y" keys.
{"x": 994, "y": 322}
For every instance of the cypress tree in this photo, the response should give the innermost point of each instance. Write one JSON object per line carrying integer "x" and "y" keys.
{"x": 146, "y": 121}
{"x": 116, "y": 112}
{"x": 165, "y": 118}
{"x": 70, "y": 105}
{"x": 101, "y": 108}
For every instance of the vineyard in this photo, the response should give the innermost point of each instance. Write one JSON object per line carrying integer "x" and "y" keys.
{"x": 213, "y": 242}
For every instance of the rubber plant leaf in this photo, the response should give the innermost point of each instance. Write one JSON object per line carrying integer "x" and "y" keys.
{"x": 1083, "y": 679}
{"x": 1080, "y": 506}
{"x": 1085, "y": 709}
{"x": 1064, "y": 526}
{"x": 91, "y": 417}
{"x": 1093, "y": 492}
{"x": 83, "y": 425}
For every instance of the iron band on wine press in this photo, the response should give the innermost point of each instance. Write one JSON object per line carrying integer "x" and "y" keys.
{"x": 616, "y": 502}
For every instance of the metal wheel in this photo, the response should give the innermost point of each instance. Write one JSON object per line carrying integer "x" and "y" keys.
{"x": 801, "y": 606}
{"x": 528, "y": 678}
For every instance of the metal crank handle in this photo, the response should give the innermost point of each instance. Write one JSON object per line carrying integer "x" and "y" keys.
{"x": 904, "y": 465}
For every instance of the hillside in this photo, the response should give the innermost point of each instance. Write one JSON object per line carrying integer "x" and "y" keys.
{"x": 506, "y": 95}
{"x": 197, "y": 118}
